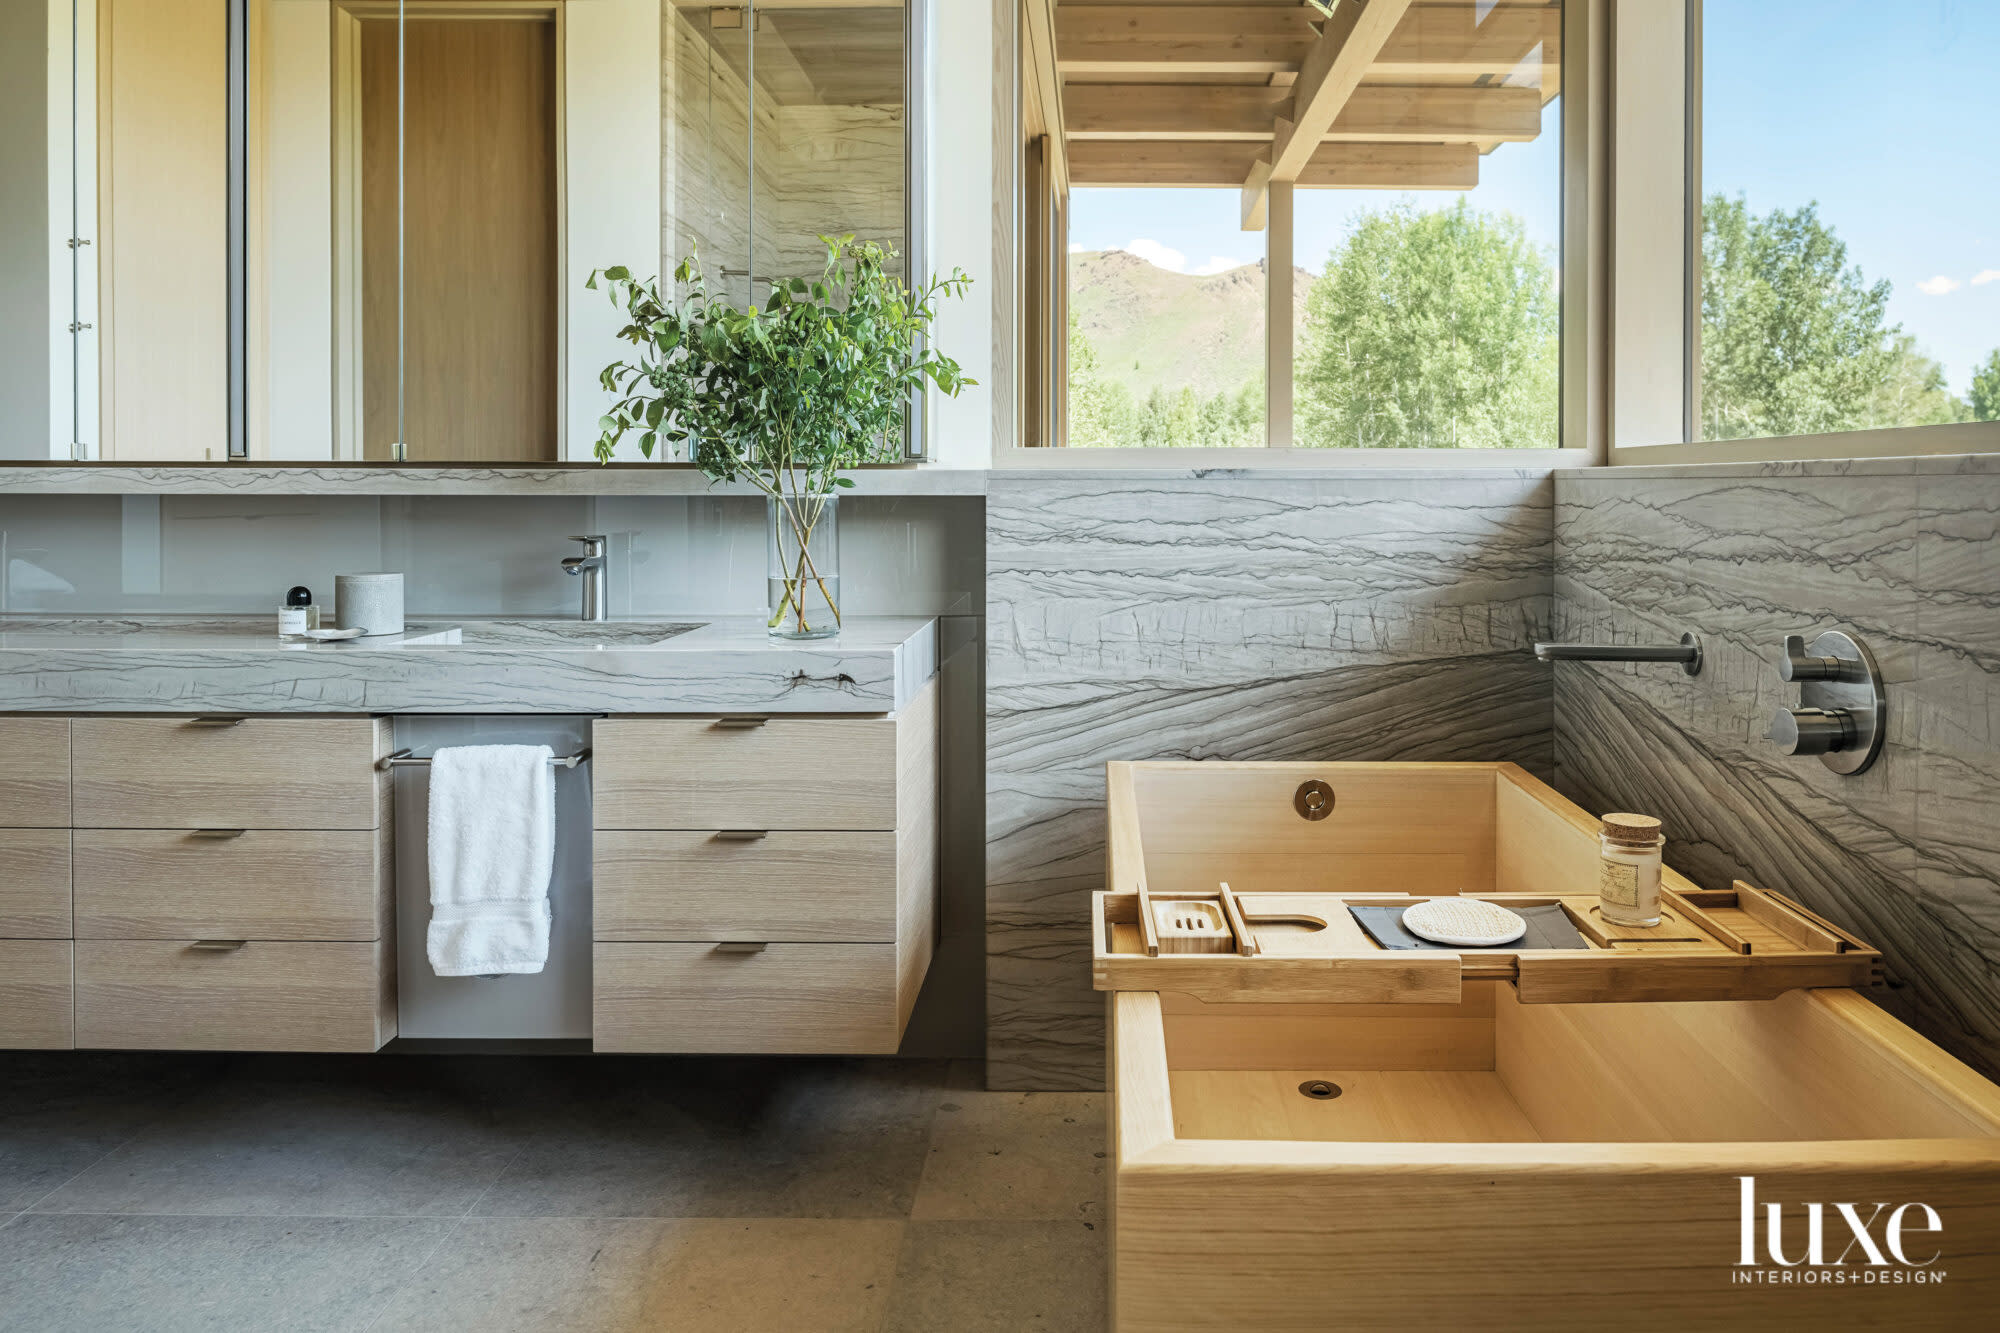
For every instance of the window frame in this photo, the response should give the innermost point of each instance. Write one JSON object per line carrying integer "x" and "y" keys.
{"x": 1654, "y": 137}
{"x": 1580, "y": 398}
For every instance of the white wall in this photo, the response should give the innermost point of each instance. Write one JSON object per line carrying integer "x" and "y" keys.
{"x": 961, "y": 205}
{"x": 611, "y": 173}
{"x": 294, "y": 99}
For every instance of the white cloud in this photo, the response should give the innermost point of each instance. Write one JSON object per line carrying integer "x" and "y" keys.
{"x": 1986, "y": 275}
{"x": 1159, "y": 256}
{"x": 1939, "y": 286}
{"x": 1076, "y": 247}
{"x": 1172, "y": 260}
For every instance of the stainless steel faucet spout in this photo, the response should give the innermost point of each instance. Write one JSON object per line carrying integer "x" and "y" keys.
{"x": 1687, "y": 652}
{"x": 592, "y": 567}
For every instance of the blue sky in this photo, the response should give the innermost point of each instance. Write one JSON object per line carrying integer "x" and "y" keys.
{"x": 1887, "y": 114}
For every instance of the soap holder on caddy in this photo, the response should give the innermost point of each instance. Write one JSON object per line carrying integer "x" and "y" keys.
{"x": 1197, "y": 923}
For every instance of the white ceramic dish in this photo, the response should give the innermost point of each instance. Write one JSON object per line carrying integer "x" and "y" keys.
{"x": 328, "y": 635}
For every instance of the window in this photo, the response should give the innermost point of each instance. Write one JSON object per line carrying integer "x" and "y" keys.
{"x": 1431, "y": 319}
{"x": 1166, "y": 320}
{"x": 1327, "y": 226}
{"x": 1849, "y": 258}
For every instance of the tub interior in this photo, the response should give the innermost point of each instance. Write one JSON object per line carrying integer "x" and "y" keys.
{"x": 1808, "y": 1066}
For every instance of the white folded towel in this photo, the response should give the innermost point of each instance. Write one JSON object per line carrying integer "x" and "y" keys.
{"x": 492, "y": 849}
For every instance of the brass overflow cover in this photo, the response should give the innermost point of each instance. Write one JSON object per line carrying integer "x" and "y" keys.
{"x": 1313, "y": 800}
{"x": 1319, "y": 1089}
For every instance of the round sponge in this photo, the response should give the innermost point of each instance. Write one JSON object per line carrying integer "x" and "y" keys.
{"x": 1466, "y": 922}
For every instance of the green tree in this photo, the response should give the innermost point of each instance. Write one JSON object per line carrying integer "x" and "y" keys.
{"x": 1103, "y": 413}
{"x": 1986, "y": 388}
{"x": 1912, "y": 391}
{"x": 1794, "y": 340}
{"x": 1431, "y": 329}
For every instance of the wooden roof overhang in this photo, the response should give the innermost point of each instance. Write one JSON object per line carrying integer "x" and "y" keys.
{"x": 1381, "y": 95}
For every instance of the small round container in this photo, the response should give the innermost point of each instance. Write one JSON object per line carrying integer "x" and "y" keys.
{"x": 371, "y": 603}
{"x": 1628, "y": 871}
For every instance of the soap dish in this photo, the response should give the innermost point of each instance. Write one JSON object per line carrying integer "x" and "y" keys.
{"x": 1191, "y": 926}
{"x": 331, "y": 635}
{"x": 1466, "y": 922}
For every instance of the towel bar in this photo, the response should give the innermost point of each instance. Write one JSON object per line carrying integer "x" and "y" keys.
{"x": 404, "y": 759}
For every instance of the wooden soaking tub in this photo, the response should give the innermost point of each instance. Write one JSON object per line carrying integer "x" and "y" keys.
{"x": 1512, "y": 1144}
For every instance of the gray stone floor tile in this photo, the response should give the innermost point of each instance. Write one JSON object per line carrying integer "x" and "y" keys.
{"x": 1007, "y": 1277}
{"x": 99, "y": 1274}
{"x": 1030, "y": 1156}
{"x": 618, "y": 1275}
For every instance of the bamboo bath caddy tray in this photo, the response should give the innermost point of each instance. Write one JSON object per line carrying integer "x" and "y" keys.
{"x": 1502, "y": 836}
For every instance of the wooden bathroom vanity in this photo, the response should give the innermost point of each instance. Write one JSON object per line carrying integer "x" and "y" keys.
{"x": 763, "y": 839}
{"x": 1310, "y": 1131}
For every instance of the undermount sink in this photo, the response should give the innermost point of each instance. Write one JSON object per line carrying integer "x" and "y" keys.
{"x": 232, "y": 633}
{"x": 544, "y": 634}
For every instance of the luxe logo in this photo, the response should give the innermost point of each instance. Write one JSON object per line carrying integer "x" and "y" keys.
{"x": 1867, "y": 1244}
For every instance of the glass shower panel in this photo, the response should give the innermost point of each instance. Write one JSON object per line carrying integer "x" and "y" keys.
{"x": 830, "y": 122}
{"x": 707, "y": 145}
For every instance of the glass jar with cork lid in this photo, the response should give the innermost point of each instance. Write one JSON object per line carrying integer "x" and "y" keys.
{"x": 1628, "y": 873}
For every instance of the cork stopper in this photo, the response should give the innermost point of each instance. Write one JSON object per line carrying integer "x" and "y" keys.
{"x": 1637, "y": 830}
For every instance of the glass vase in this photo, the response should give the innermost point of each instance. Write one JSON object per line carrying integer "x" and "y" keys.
{"x": 803, "y": 584}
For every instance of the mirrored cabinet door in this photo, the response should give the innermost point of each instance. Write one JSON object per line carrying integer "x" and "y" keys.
{"x": 824, "y": 154}
{"x": 358, "y": 231}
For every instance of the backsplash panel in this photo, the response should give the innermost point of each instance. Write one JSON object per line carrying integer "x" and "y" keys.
{"x": 1226, "y": 616}
{"x": 1906, "y": 855}
{"x": 678, "y": 556}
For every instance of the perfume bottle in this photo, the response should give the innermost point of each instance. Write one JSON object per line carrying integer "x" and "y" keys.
{"x": 297, "y": 615}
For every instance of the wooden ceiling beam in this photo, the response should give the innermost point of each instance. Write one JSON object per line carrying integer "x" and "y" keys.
{"x": 1171, "y": 110}
{"x": 1224, "y": 164}
{"x": 1219, "y": 39}
{"x": 1332, "y": 70}
{"x": 1040, "y": 68}
{"x": 1452, "y": 41}
{"x": 1448, "y": 41}
{"x": 1403, "y": 166}
{"x": 1375, "y": 113}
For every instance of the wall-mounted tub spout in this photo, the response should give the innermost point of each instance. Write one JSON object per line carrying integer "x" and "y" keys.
{"x": 1687, "y": 652}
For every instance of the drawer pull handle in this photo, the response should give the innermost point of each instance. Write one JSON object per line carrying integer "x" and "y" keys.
{"x": 741, "y": 946}
{"x": 217, "y": 834}
{"x": 217, "y": 946}
{"x": 741, "y": 834}
{"x": 739, "y": 723}
{"x": 217, "y": 721}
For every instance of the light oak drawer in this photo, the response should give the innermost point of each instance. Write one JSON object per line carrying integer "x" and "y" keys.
{"x": 703, "y": 773}
{"x": 259, "y": 772}
{"x": 789, "y": 999}
{"x": 34, "y": 772}
{"x": 261, "y": 996}
{"x": 654, "y": 885}
{"x": 34, "y": 884}
{"x": 35, "y": 994}
{"x": 229, "y": 883}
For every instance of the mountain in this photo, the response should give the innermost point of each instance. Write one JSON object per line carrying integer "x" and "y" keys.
{"x": 1152, "y": 326}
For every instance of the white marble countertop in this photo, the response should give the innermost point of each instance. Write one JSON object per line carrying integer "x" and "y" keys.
{"x": 238, "y": 664}
{"x": 586, "y": 479}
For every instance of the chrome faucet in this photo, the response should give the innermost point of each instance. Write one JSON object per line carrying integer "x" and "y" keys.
{"x": 591, "y": 566}
{"x": 1687, "y": 652}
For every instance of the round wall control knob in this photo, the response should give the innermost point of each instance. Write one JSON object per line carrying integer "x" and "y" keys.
{"x": 1813, "y": 730}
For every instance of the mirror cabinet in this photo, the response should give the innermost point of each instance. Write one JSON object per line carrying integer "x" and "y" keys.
{"x": 358, "y": 231}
